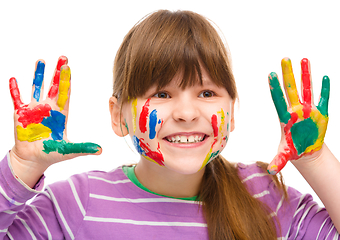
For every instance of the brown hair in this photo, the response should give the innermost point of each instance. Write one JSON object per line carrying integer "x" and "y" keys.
{"x": 152, "y": 53}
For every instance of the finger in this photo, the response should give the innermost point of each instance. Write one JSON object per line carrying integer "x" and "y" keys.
{"x": 64, "y": 147}
{"x": 15, "y": 93}
{"x": 278, "y": 163}
{"x": 324, "y": 97}
{"x": 278, "y": 98}
{"x": 289, "y": 82}
{"x": 38, "y": 80}
{"x": 306, "y": 82}
{"x": 64, "y": 87}
{"x": 52, "y": 93}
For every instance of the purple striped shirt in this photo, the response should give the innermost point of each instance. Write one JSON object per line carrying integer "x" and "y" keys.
{"x": 107, "y": 205}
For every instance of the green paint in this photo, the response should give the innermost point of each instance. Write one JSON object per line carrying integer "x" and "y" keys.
{"x": 304, "y": 134}
{"x": 323, "y": 102}
{"x": 126, "y": 125}
{"x": 213, "y": 155}
{"x": 64, "y": 147}
{"x": 278, "y": 98}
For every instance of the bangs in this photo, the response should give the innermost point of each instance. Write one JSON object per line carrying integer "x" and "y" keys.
{"x": 165, "y": 44}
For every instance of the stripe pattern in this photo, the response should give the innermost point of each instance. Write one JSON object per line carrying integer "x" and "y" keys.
{"x": 107, "y": 205}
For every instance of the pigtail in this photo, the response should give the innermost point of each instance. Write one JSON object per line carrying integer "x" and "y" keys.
{"x": 229, "y": 209}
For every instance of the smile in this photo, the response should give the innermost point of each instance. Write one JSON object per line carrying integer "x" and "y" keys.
{"x": 183, "y": 139}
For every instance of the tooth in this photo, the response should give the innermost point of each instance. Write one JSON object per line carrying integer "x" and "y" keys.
{"x": 184, "y": 139}
{"x": 199, "y": 138}
{"x": 178, "y": 138}
{"x": 173, "y": 139}
{"x": 196, "y": 138}
{"x": 191, "y": 139}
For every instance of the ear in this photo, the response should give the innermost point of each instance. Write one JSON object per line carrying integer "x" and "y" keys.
{"x": 232, "y": 120}
{"x": 117, "y": 118}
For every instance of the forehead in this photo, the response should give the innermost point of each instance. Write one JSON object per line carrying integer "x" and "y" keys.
{"x": 181, "y": 81}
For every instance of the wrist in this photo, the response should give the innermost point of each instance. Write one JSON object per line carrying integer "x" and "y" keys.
{"x": 29, "y": 172}
{"x": 314, "y": 161}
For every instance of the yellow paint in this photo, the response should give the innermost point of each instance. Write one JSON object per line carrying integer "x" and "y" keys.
{"x": 321, "y": 121}
{"x": 134, "y": 114}
{"x": 33, "y": 132}
{"x": 221, "y": 113}
{"x": 64, "y": 85}
{"x": 298, "y": 109}
{"x": 289, "y": 82}
{"x": 150, "y": 159}
{"x": 207, "y": 158}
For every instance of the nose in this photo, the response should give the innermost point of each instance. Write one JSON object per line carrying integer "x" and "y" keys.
{"x": 186, "y": 111}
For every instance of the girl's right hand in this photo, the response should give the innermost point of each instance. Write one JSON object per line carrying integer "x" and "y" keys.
{"x": 40, "y": 126}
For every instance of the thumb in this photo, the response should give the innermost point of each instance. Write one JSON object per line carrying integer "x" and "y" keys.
{"x": 279, "y": 161}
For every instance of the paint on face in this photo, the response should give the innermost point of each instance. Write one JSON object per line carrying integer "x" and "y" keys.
{"x": 64, "y": 85}
{"x": 15, "y": 93}
{"x": 134, "y": 114}
{"x": 36, "y": 115}
{"x": 55, "y": 84}
{"x": 64, "y": 147}
{"x": 152, "y": 124}
{"x": 211, "y": 155}
{"x": 38, "y": 80}
{"x": 56, "y": 122}
{"x": 144, "y": 149}
{"x": 126, "y": 125}
{"x": 221, "y": 113}
{"x": 214, "y": 124}
{"x": 143, "y": 118}
{"x": 33, "y": 132}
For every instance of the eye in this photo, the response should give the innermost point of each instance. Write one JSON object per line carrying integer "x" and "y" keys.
{"x": 162, "y": 95}
{"x": 207, "y": 94}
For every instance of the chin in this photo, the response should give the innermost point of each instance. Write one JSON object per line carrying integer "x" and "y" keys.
{"x": 184, "y": 167}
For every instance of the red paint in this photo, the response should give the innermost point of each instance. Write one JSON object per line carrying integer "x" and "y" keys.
{"x": 289, "y": 153}
{"x": 156, "y": 156}
{"x": 143, "y": 116}
{"x": 293, "y": 118}
{"x": 307, "y": 109}
{"x": 15, "y": 93}
{"x": 306, "y": 81}
{"x": 35, "y": 115}
{"x": 55, "y": 83}
{"x": 214, "y": 124}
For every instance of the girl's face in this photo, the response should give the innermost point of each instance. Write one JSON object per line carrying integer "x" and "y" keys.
{"x": 180, "y": 129}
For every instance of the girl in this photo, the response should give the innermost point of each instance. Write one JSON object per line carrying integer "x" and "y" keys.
{"x": 174, "y": 94}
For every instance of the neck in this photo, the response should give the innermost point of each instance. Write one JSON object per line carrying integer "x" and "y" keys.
{"x": 164, "y": 181}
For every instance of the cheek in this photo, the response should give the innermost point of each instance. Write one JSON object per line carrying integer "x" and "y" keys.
{"x": 220, "y": 126}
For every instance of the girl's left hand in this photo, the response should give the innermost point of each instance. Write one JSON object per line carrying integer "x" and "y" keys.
{"x": 303, "y": 124}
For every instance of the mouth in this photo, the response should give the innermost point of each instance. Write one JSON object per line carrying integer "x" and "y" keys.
{"x": 186, "y": 139}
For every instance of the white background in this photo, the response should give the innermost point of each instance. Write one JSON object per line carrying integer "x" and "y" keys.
{"x": 259, "y": 35}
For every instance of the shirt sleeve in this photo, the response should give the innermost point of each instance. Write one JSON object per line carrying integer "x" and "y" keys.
{"x": 19, "y": 220}
{"x": 299, "y": 216}
{"x": 309, "y": 220}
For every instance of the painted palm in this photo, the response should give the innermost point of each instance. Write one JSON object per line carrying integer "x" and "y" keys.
{"x": 41, "y": 124}
{"x": 303, "y": 124}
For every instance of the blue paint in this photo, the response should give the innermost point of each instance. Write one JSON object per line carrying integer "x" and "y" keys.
{"x": 135, "y": 141}
{"x": 152, "y": 124}
{"x": 159, "y": 121}
{"x": 56, "y": 122}
{"x": 38, "y": 80}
